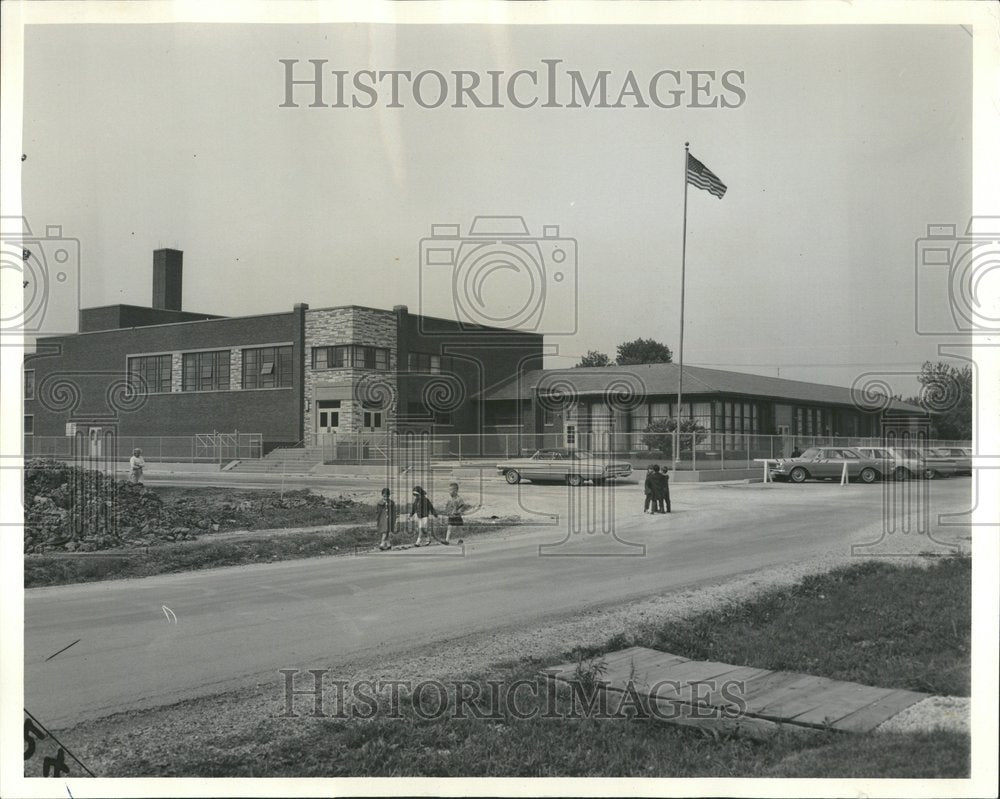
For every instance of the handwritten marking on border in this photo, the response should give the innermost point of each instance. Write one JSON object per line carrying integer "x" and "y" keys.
{"x": 169, "y": 614}
{"x": 56, "y": 764}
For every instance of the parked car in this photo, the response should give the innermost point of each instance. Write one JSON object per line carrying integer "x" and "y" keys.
{"x": 902, "y": 463}
{"x": 961, "y": 455}
{"x": 936, "y": 465}
{"x": 565, "y": 465}
{"x": 827, "y": 463}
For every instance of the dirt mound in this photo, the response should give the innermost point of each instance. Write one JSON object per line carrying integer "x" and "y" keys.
{"x": 71, "y": 509}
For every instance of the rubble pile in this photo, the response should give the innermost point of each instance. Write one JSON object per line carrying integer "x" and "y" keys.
{"x": 70, "y": 509}
{"x": 243, "y": 509}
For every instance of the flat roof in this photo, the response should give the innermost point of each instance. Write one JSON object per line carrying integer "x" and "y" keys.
{"x": 661, "y": 379}
{"x": 216, "y": 318}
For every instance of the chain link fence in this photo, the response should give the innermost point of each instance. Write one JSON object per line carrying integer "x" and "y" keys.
{"x": 203, "y": 448}
{"x": 697, "y": 451}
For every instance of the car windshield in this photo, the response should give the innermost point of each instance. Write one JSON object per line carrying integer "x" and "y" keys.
{"x": 906, "y": 452}
{"x": 812, "y": 452}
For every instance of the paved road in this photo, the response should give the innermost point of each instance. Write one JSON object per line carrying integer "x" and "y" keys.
{"x": 235, "y": 625}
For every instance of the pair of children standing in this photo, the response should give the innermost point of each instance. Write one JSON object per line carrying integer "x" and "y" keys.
{"x": 657, "y": 488}
{"x": 420, "y": 512}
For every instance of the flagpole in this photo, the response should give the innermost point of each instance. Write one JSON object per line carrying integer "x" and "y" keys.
{"x": 680, "y": 349}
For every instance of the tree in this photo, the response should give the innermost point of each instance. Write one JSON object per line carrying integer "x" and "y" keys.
{"x": 658, "y": 435}
{"x": 643, "y": 350}
{"x": 595, "y": 358}
{"x": 946, "y": 391}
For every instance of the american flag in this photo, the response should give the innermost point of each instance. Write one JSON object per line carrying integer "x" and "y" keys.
{"x": 702, "y": 177}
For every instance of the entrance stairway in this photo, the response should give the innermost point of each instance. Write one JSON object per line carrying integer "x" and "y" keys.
{"x": 291, "y": 460}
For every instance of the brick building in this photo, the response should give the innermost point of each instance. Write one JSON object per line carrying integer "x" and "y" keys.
{"x": 304, "y": 374}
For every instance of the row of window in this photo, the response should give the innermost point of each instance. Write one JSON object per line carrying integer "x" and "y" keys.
{"x": 350, "y": 355}
{"x": 263, "y": 367}
{"x": 812, "y": 422}
{"x": 359, "y": 356}
{"x": 715, "y": 417}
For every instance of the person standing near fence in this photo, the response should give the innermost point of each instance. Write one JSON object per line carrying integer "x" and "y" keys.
{"x": 136, "y": 464}
{"x": 385, "y": 519}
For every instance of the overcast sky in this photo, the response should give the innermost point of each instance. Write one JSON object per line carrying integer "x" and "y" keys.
{"x": 850, "y": 141}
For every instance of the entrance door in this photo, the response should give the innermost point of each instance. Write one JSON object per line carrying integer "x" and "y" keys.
{"x": 786, "y": 443}
{"x": 327, "y": 420}
{"x": 372, "y": 421}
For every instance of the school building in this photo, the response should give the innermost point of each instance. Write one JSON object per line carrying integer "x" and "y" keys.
{"x": 308, "y": 375}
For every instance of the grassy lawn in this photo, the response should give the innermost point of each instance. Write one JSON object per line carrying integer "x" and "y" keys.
{"x": 539, "y": 748}
{"x": 872, "y": 623}
{"x": 876, "y": 623}
{"x": 211, "y": 551}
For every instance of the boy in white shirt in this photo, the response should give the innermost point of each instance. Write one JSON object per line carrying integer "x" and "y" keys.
{"x": 136, "y": 464}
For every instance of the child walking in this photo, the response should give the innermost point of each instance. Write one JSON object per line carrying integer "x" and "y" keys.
{"x": 421, "y": 513}
{"x": 385, "y": 519}
{"x": 454, "y": 509}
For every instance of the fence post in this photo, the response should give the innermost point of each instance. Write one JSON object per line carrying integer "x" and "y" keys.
{"x": 722, "y": 451}
{"x": 506, "y": 445}
{"x": 694, "y": 454}
{"x": 459, "y": 447}
{"x": 748, "y": 452}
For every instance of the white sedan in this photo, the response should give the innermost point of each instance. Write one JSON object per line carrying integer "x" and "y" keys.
{"x": 563, "y": 465}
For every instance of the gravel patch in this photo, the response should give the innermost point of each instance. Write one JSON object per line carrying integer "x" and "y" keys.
{"x": 948, "y": 713}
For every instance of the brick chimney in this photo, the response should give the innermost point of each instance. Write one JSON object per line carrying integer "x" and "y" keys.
{"x": 167, "y": 274}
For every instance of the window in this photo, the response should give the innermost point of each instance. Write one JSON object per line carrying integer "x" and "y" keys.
{"x": 206, "y": 371}
{"x": 373, "y": 419}
{"x": 29, "y": 425}
{"x": 29, "y": 384}
{"x": 154, "y": 370}
{"x": 424, "y": 362}
{"x": 660, "y": 411}
{"x": 350, "y": 355}
{"x": 639, "y": 418}
{"x": 267, "y": 367}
